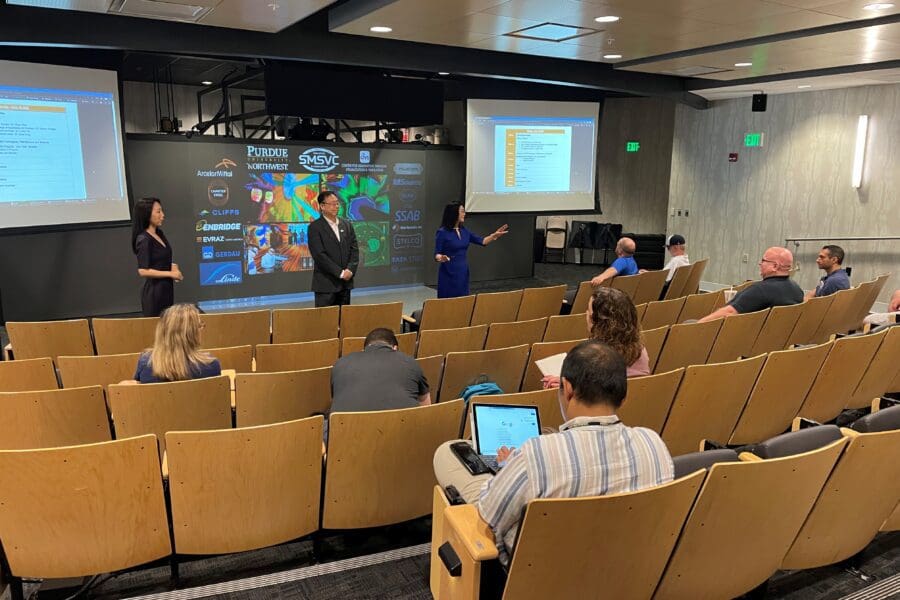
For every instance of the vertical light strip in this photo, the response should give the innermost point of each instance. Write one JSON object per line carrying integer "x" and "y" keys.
{"x": 859, "y": 155}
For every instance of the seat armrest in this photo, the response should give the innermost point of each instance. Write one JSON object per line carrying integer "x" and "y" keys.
{"x": 408, "y": 319}
{"x": 473, "y": 532}
{"x": 748, "y": 457}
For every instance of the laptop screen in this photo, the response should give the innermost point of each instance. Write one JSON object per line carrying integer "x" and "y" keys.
{"x": 496, "y": 425}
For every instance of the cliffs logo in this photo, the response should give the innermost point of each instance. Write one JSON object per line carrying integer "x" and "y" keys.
{"x": 221, "y": 273}
{"x": 318, "y": 160}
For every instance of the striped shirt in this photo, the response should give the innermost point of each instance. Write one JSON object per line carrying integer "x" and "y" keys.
{"x": 590, "y": 456}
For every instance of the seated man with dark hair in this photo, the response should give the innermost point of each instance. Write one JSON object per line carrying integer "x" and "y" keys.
{"x": 378, "y": 378}
{"x": 594, "y": 453}
{"x": 830, "y": 260}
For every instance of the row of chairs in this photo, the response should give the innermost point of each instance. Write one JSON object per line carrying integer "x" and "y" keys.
{"x": 721, "y": 529}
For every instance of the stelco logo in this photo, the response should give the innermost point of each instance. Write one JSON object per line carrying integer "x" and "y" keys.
{"x": 266, "y": 152}
{"x": 204, "y": 226}
{"x": 318, "y": 160}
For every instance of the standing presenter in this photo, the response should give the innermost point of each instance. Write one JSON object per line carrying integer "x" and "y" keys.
{"x": 450, "y": 246}
{"x": 335, "y": 253}
{"x": 154, "y": 257}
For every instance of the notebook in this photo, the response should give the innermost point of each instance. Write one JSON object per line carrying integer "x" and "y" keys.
{"x": 496, "y": 425}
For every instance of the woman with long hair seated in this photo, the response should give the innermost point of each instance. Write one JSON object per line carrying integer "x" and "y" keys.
{"x": 176, "y": 354}
{"x": 612, "y": 319}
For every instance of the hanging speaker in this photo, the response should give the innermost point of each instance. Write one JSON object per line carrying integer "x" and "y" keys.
{"x": 759, "y": 102}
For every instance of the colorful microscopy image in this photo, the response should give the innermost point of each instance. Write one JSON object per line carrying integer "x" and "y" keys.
{"x": 372, "y": 239}
{"x": 363, "y": 197}
{"x": 276, "y": 247}
{"x": 284, "y": 197}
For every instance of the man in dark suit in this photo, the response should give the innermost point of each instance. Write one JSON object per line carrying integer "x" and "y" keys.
{"x": 332, "y": 243}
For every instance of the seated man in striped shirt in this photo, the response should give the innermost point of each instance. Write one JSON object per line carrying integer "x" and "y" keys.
{"x": 594, "y": 453}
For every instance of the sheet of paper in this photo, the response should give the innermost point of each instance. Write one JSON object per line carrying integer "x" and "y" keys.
{"x": 552, "y": 365}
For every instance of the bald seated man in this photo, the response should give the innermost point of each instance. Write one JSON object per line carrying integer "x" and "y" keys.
{"x": 775, "y": 289}
{"x": 623, "y": 265}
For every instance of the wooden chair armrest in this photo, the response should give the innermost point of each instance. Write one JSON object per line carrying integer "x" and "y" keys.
{"x": 748, "y": 457}
{"x": 165, "y": 465}
{"x": 475, "y": 534}
{"x": 408, "y": 319}
{"x": 849, "y": 433}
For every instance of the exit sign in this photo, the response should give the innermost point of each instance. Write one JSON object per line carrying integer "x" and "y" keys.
{"x": 632, "y": 146}
{"x": 753, "y": 140}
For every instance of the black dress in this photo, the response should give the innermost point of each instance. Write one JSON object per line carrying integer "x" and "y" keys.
{"x": 158, "y": 294}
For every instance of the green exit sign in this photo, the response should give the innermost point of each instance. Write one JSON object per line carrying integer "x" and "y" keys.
{"x": 632, "y": 146}
{"x": 753, "y": 140}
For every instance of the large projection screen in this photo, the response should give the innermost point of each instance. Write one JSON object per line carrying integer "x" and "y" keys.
{"x": 531, "y": 156}
{"x": 61, "y": 159}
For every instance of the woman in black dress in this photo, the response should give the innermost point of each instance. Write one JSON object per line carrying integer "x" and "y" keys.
{"x": 154, "y": 256}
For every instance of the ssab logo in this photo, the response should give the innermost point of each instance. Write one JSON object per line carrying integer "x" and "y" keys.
{"x": 318, "y": 160}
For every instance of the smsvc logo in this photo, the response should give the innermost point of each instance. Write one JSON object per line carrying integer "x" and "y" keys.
{"x": 221, "y": 273}
{"x": 318, "y": 160}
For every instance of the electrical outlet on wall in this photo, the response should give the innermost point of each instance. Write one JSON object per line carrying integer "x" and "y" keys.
{"x": 687, "y": 213}
{"x": 745, "y": 258}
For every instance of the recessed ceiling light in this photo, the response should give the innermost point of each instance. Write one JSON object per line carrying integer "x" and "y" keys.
{"x": 443, "y": 73}
{"x": 803, "y": 87}
{"x": 743, "y": 64}
{"x": 878, "y": 6}
{"x": 380, "y": 29}
{"x": 612, "y": 56}
{"x": 206, "y": 82}
{"x": 607, "y": 19}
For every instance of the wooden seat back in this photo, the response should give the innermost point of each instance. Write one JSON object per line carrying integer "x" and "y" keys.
{"x": 305, "y": 324}
{"x": 654, "y": 340}
{"x": 885, "y": 366}
{"x": 662, "y": 313}
{"x": 124, "y": 336}
{"x": 583, "y": 296}
{"x": 29, "y": 374}
{"x": 650, "y": 285}
{"x": 496, "y": 307}
{"x": 406, "y": 343}
{"x": 540, "y": 302}
{"x": 532, "y": 379}
{"x": 79, "y": 371}
{"x": 688, "y": 344}
{"x": 504, "y": 335}
{"x": 814, "y": 310}
{"x": 264, "y": 398}
{"x": 504, "y": 366}
{"x": 708, "y": 403}
{"x": 237, "y": 358}
{"x": 228, "y": 329}
{"x": 565, "y": 327}
{"x": 839, "y": 314}
{"x": 357, "y": 320}
{"x": 737, "y": 336}
{"x": 777, "y": 329}
{"x": 242, "y": 489}
{"x": 297, "y": 356}
{"x": 50, "y": 418}
{"x": 677, "y": 283}
{"x": 446, "y": 313}
{"x": 442, "y": 341}
{"x": 692, "y": 285}
{"x": 697, "y": 306}
{"x": 104, "y": 499}
{"x": 37, "y": 339}
{"x": 649, "y": 400}
{"x": 364, "y": 487}
{"x": 628, "y": 284}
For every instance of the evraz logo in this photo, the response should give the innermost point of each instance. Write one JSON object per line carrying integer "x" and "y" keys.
{"x": 318, "y": 160}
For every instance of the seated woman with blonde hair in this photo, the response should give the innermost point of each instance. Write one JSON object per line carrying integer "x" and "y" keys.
{"x": 612, "y": 319}
{"x": 176, "y": 354}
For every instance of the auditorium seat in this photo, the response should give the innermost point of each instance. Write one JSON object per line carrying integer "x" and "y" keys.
{"x": 677, "y": 283}
{"x": 242, "y": 489}
{"x": 38, "y": 339}
{"x": 433, "y": 368}
{"x": 49, "y": 418}
{"x": 627, "y": 284}
{"x": 865, "y": 305}
{"x": 236, "y": 358}
{"x": 839, "y": 375}
{"x": 79, "y": 371}
{"x": 565, "y": 327}
{"x": 777, "y": 329}
{"x": 357, "y": 320}
{"x": 504, "y": 335}
{"x": 540, "y": 302}
{"x": 442, "y": 313}
{"x": 654, "y": 339}
{"x": 685, "y": 464}
{"x": 779, "y": 392}
{"x": 504, "y": 366}
{"x": 708, "y": 403}
{"x": 688, "y": 344}
{"x": 52, "y": 528}
{"x": 840, "y": 314}
{"x": 221, "y": 330}
{"x": 264, "y": 398}
{"x": 371, "y": 480}
{"x": 650, "y": 285}
{"x": 297, "y": 356}
{"x": 697, "y": 306}
{"x": 406, "y": 343}
{"x": 811, "y": 315}
{"x": 532, "y": 379}
{"x": 569, "y": 545}
{"x": 496, "y": 307}
{"x": 737, "y": 335}
{"x": 176, "y": 406}
{"x": 546, "y": 401}
{"x": 885, "y": 419}
{"x": 743, "y": 523}
{"x": 649, "y": 399}
{"x": 692, "y": 285}
{"x": 442, "y": 341}
{"x": 662, "y": 313}
{"x": 27, "y": 374}
{"x": 639, "y": 310}
{"x": 880, "y": 372}
{"x": 583, "y": 296}
{"x": 124, "y": 336}
{"x": 305, "y": 324}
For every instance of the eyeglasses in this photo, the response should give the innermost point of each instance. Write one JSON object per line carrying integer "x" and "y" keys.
{"x": 766, "y": 260}
{"x": 333, "y": 203}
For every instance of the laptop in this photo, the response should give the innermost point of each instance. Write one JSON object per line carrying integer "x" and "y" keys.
{"x": 496, "y": 425}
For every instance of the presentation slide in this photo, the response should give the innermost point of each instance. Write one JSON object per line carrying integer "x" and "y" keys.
{"x": 61, "y": 158}
{"x": 528, "y": 156}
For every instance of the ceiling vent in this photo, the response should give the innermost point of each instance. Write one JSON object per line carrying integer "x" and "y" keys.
{"x": 695, "y": 71}
{"x": 552, "y": 32}
{"x": 170, "y": 11}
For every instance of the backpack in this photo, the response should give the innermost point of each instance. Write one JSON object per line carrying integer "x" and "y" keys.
{"x": 482, "y": 386}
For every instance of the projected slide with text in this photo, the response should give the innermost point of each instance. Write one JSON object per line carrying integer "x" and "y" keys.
{"x": 532, "y": 159}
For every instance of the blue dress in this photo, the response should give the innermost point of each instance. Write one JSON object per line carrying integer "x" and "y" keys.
{"x": 453, "y": 276}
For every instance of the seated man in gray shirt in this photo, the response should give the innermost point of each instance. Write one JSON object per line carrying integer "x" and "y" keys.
{"x": 378, "y": 378}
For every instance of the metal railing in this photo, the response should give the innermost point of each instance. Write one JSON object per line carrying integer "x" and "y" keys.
{"x": 797, "y": 241}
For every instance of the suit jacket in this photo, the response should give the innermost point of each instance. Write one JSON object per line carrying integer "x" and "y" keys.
{"x": 332, "y": 256}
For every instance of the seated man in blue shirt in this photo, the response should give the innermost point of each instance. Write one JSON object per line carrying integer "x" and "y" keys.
{"x": 623, "y": 265}
{"x": 830, "y": 259}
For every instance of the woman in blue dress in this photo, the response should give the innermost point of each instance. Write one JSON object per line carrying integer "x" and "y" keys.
{"x": 450, "y": 246}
